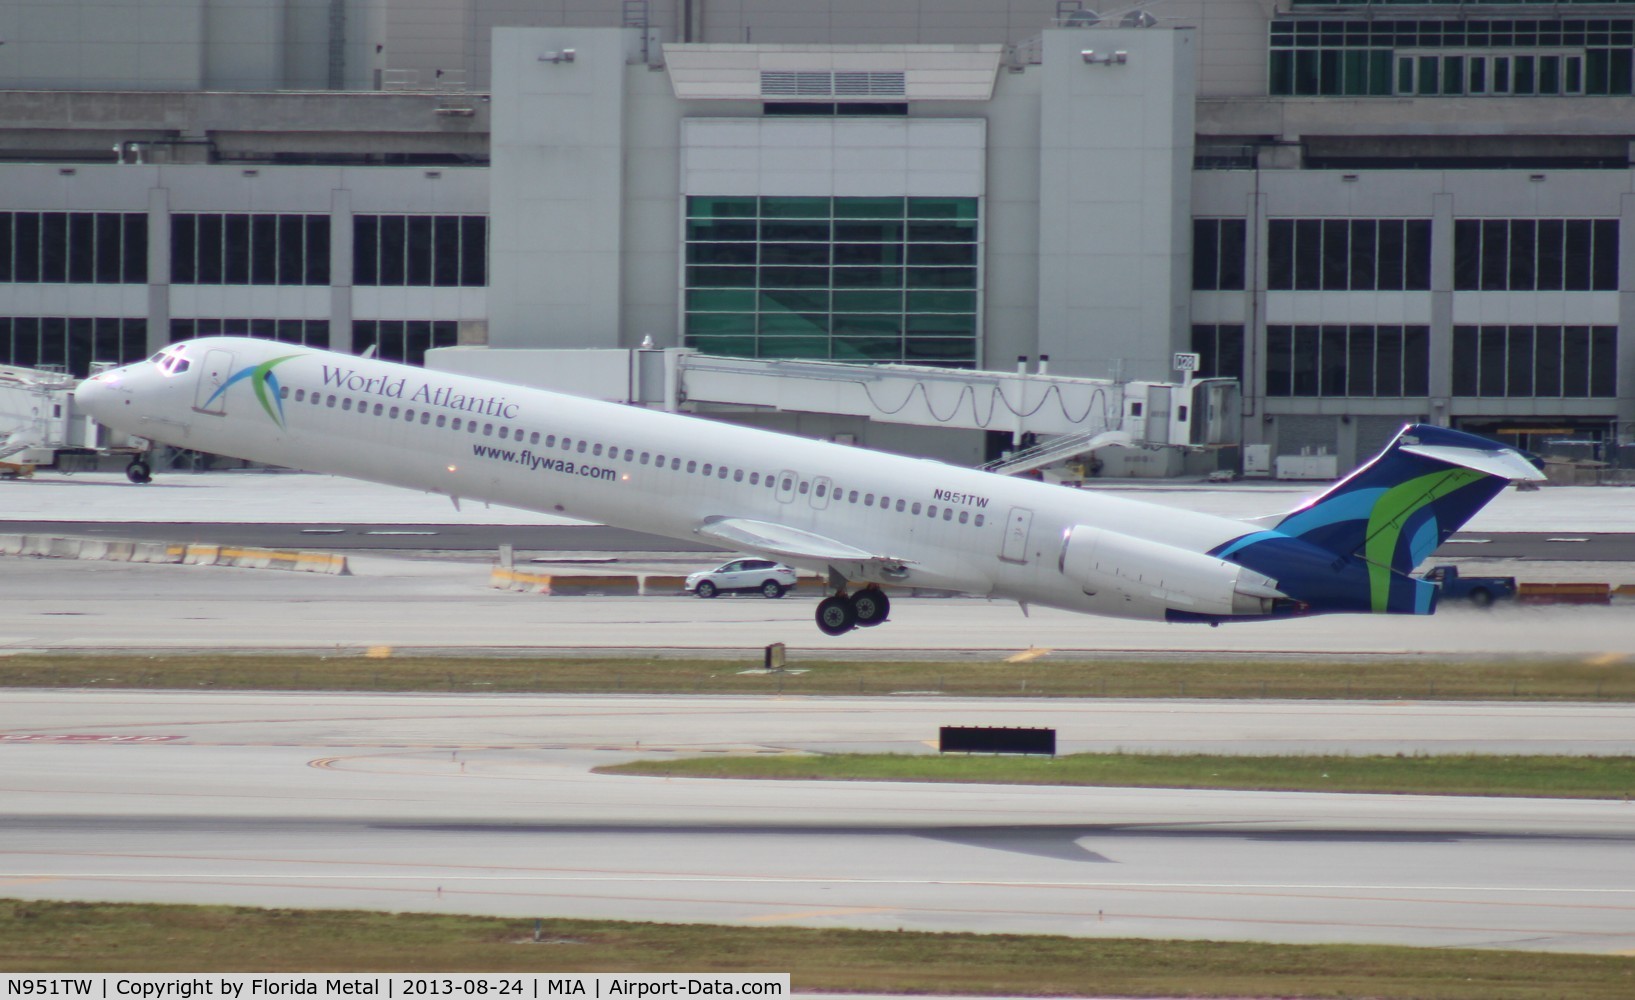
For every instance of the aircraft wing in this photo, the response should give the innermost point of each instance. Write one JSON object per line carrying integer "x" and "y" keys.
{"x": 786, "y": 542}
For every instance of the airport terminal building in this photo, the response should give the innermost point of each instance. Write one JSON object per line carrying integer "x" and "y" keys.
{"x": 1367, "y": 212}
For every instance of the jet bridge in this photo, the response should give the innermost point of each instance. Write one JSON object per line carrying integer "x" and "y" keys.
{"x": 38, "y": 420}
{"x": 1073, "y": 415}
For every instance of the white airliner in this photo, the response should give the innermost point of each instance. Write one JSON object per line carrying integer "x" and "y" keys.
{"x": 861, "y": 518}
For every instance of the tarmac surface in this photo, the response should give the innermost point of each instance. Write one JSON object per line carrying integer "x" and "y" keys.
{"x": 486, "y": 804}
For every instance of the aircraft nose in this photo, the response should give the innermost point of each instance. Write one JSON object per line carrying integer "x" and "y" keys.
{"x": 96, "y": 395}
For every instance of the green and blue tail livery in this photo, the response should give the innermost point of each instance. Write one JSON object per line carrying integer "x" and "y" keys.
{"x": 1354, "y": 547}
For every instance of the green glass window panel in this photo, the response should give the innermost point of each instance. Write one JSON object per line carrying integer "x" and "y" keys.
{"x": 720, "y": 253}
{"x": 1619, "y": 78}
{"x": 942, "y": 232}
{"x": 1453, "y": 75}
{"x": 869, "y": 254}
{"x": 942, "y": 277}
{"x": 1281, "y": 75}
{"x": 743, "y": 347}
{"x": 868, "y": 349}
{"x": 1305, "y": 72}
{"x": 1405, "y": 76}
{"x": 794, "y": 232}
{"x": 942, "y": 208}
{"x": 794, "y": 277}
{"x": 868, "y": 324}
{"x": 868, "y": 302}
{"x": 1427, "y": 75}
{"x": 1355, "y": 64}
{"x": 868, "y": 277}
{"x": 795, "y": 208}
{"x": 1379, "y": 72}
{"x": 790, "y": 324}
{"x": 720, "y": 300}
{"x": 719, "y": 230}
{"x": 942, "y": 302}
{"x": 1574, "y": 83}
{"x": 699, "y": 276}
{"x": 795, "y": 253}
{"x": 1595, "y": 71}
{"x": 938, "y": 350}
{"x": 793, "y": 347}
{"x": 868, "y": 208}
{"x": 942, "y": 325}
{"x": 791, "y": 300}
{"x": 711, "y": 207}
{"x": 868, "y": 232}
{"x": 1525, "y": 76}
{"x": 942, "y": 254}
{"x": 718, "y": 324}
{"x": 1549, "y": 75}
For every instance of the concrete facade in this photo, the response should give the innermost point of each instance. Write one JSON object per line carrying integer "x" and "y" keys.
{"x": 1089, "y": 174}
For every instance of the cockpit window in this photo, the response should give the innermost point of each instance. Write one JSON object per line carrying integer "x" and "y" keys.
{"x": 171, "y": 362}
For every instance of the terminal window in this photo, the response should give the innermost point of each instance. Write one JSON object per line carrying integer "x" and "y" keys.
{"x": 306, "y": 332}
{"x": 74, "y": 247}
{"x": 406, "y": 341}
{"x": 850, "y": 279}
{"x": 435, "y": 250}
{"x": 1356, "y": 361}
{"x": 70, "y": 344}
{"x": 1218, "y": 254}
{"x": 246, "y": 249}
{"x": 1348, "y": 254}
{"x": 1462, "y": 57}
{"x": 1526, "y": 255}
{"x": 1535, "y": 361}
{"x": 1219, "y": 347}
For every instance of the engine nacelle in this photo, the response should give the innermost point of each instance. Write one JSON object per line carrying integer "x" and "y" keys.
{"x": 1156, "y": 579}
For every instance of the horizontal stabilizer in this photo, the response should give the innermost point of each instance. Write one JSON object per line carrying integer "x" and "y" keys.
{"x": 1506, "y": 463}
{"x": 782, "y": 540}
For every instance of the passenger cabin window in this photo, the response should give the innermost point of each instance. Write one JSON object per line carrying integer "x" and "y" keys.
{"x": 300, "y": 395}
{"x": 425, "y": 416}
{"x": 331, "y": 402}
{"x": 692, "y": 466}
{"x": 441, "y": 420}
{"x": 805, "y": 487}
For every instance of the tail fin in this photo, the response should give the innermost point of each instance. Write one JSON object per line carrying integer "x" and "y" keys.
{"x": 1396, "y": 510}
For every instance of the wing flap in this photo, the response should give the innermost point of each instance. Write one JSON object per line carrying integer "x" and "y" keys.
{"x": 782, "y": 540}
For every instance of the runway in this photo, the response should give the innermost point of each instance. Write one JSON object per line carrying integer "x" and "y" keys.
{"x": 447, "y": 606}
{"x": 486, "y": 805}
{"x": 479, "y": 804}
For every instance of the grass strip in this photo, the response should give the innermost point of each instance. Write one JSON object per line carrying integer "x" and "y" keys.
{"x": 1418, "y": 774}
{"x": 1605, "y": 679}
{"x": 124, "y": 937}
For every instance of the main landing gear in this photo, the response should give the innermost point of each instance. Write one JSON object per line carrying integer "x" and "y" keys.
{"x": 843, "y": 612}
{"x": 138, "y": 472}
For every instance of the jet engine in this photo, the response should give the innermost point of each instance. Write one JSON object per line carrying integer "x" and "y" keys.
{"x": 1157, "y": 580}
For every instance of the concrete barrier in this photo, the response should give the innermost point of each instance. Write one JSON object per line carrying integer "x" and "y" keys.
{"x": 1564, "y": 593}
{"x": 521, "y": 581}
{"x": 62, "y": 547}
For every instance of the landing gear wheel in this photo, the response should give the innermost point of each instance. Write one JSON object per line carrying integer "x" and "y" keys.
{"x": 705, "y": 589}
{"x": 138, "y": 472}
{"x": 771, "y": 590}
{"x": 835, "y": 615}
{"x": 871, "y": 605}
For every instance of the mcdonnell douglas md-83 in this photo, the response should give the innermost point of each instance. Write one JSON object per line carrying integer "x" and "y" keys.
{"x": 860, "y": 518}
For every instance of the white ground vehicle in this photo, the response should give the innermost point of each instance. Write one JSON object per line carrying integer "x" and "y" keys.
{"x": 741, "y": 576}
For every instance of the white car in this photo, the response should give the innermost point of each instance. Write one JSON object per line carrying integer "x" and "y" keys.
{"x": 742, "y": 576}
